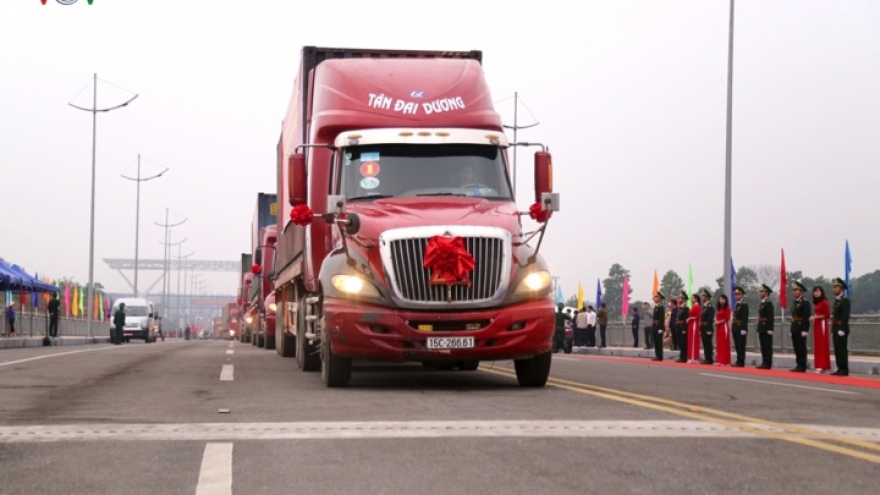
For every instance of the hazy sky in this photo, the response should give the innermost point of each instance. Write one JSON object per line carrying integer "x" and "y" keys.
{"x": 630, "y": 95}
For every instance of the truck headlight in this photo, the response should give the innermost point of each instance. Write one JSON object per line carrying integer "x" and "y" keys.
{"x": 272, "y": 307}
{"x": 352, "y": 284}
{"x": 534, "y": 282}
{"x": 248, "y": 319}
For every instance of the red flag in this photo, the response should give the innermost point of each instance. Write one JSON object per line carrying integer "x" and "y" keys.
{"x": 783, "y": 284}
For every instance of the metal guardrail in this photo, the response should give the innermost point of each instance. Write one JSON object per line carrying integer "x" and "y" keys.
{"x": 864, "y": 337}
{"x": 37, "y": 325}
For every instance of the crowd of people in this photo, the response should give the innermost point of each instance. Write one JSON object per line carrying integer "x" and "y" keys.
{"x": 715, "y": 326}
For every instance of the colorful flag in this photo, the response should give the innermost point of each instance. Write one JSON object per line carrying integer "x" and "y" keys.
{"x": 598, "y": 295}
{"x": 75, "y": 301}
{"x": 46, "y": 295}
{"x": 580, "y": 303}
{"x": 783, "y": 284}
{"x": 732, "y": 283}
{"x": 101, "y": 306}
{"x": 847, "y": 267}
{"x": 624, "y": 297}
{"x": 690, "y": 285}
{"x": 66, "y": 299}
{"x": 656, "y": 284}
{"x": 82, "y": 296}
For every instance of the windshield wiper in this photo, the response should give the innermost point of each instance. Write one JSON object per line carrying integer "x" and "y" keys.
{"x": 371, "y": 196}
{"x": 442, "y": 194}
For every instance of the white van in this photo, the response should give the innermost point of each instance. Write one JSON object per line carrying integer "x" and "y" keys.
{"x": 140, "y": 321}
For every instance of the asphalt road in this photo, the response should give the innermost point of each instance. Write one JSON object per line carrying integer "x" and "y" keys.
{"x": 212, "y": 418}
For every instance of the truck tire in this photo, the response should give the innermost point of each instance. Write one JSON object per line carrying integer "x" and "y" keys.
{"x": 468, "y": 365}
{"x": 307, "y": 357}
{"x": 335, "y": 371}
{"x": 270, "y": 343}
{"x": 261, "y": 340}
{"x": 535, "y": 371}
{"x": 285, "y": 345}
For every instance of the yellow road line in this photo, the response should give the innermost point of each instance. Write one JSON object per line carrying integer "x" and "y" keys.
{"x": 704, "y": 414}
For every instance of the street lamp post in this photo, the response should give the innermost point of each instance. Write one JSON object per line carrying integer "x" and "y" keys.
{"x": 94, "y": 110}
{"x": 728, "y": 168}
{"x": 515, "y": 127}
{"x": 137, "y": 216}
{"x": 179, "y": 301}
{"x": 166, "y": 289}
{"x": 166, "y": 259}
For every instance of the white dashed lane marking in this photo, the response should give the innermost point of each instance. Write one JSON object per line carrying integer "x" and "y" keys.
{"x": 226, "y": 373}
{"x": 765, "y": 382}
{"x": 215, "y": 477}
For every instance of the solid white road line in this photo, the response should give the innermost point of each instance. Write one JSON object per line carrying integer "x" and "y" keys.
{"x": 215, "y": 477}
{"x": 226, "y": 373}
{"x": 47, "y": 356}
{"x": 845, "y": 392}
{"x": 229, "y": 432}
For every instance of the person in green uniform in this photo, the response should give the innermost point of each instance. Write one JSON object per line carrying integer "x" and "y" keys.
{"x": 658, "y": 325}
{"x": 800, "y": 326}
{"x": 765, "y": 327}
{"x": 559, "y": 340}
{"x": 840, "y": 326}
{"x": 707, "y": 327}
{"x": 681, "y": 327}
{"x": 740, "y": 326}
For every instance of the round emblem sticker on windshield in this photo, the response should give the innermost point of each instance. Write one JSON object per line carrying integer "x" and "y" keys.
{"x": 370, "y": 169}
{"x": 369, "y": 183}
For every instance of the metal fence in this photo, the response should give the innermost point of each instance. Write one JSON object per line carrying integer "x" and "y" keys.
{"x": 864, "y": 337}
{"x": 37, "y": 325}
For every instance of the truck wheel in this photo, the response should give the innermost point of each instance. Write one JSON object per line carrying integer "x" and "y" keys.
{"x": 535, "y": 371}
{"x": 270, "y": 343}
{"x": 468, "y": 365}
{"x": 261, "y": 341}
{"x": 285, "y": 345}
{"x": 335, "y": 371}
{"x": 307, "y": 357}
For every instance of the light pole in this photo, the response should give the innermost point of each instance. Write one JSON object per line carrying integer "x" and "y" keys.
{"x": 179, "y": 302}
{"x": 94, "y": 110}
{"x": 166, "y": 285}
{"x": 515, "y": 128}
{"x": 166, "y": 258}
{"x": 137, "y": 221}
{"x": 728, "y": 168}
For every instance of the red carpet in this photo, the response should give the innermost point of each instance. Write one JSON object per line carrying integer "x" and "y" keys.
{"x": 809, "y": 376}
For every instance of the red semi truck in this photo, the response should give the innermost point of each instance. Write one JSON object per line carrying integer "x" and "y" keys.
{"x": 265, "y": 256}
{"x": 399, "y": 238}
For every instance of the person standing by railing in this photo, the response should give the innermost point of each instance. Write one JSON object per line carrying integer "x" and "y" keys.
{"x": 10, "y": 317}
{"x": 840, "y": 327}
{"x": 54, "y": 310}
{"x": 722, "y": 331}
{"x": 821, "y": 346}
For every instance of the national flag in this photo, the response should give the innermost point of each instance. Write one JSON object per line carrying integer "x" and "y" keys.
{"x": 690, "y": 285}
{"x": 847, "y": 267}
{"x": 624, "y": 297}
{"x": 783, "y": 284}
{"x": 580, "y": 303}
{"x": 732, "y": 283}
{"x": 598, "y": 294}
{"x": 656, "y": 288}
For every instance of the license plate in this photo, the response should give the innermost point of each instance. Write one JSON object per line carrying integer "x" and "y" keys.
{"x": 128, "y": 334}
{"x": 450, "y": 342}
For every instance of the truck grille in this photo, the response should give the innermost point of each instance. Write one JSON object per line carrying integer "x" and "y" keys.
{"x": 407, "y": 256}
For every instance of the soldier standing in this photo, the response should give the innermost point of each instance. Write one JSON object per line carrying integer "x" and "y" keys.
{"x": 707, "y": 326}
{"x": 765, "y": 327}
{"x": 559, "y": 340}
{"x": 740, "y": 326}
{"x": 681, "y": 327}
{"x": 840, "y": 327}
{"x": 659, "y": 326}
{"x": 119, "y": 323}
{"x": 800, "y": 326}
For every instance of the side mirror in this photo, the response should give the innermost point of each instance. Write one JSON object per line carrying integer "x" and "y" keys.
{"x": 258, "y": 256}
{"x": 296, "y": 179}
{"x": 150, "y": 315}
{"x": 543, "y": 174}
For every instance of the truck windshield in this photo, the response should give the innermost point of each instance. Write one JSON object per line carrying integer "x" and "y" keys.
{"x": 406, "y": 170}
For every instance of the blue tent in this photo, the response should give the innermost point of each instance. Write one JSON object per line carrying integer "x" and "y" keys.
{"x": 8, "y": 278}
{"x": 14, "y": 278}
{"x": 34, "y": 284}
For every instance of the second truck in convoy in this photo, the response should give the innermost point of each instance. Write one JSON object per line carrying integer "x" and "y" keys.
{"x": 398, "y": 234}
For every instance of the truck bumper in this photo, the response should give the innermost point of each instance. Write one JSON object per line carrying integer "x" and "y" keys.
{"x": 364, "y": 331}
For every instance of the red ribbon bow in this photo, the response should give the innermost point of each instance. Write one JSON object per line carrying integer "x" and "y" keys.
{"x": 449, "y": 260}
{"x": 256, "y": 269}
{"x": 537, "y": 213}
{"x": 301, "y": 215}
